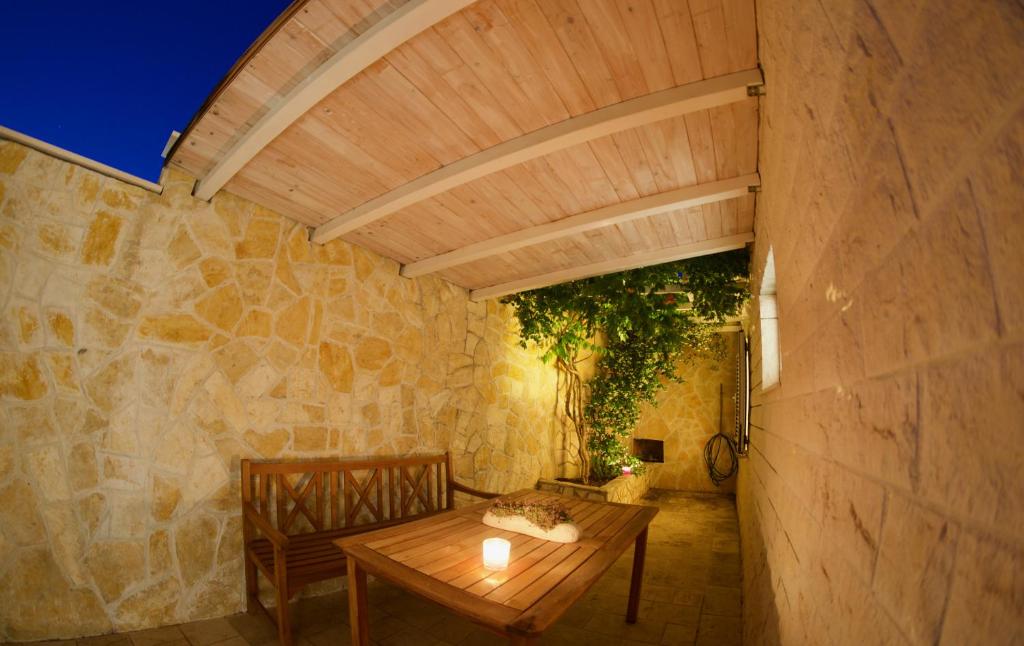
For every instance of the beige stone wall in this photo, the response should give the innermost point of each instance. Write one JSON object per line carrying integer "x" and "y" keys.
{"x": 882, "y": 502}
{"x": 149, "y": 341}
{"x": 687, "y": 416}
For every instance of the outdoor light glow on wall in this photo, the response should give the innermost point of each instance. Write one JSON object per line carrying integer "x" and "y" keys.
{"x": 496, "y": 552}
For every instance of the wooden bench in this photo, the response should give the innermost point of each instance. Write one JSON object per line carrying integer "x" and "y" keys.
{"x": 292, "y": 510}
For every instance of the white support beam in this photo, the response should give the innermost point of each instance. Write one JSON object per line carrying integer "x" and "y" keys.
{"x": 682, "y": 198}
{"x": 390, "y": 32}
{"x": 559, "y": 136}
{"x": 691, "y": 250}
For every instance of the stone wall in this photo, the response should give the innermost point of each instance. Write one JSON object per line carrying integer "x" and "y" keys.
{"x": 687, "y": 416}
{"x": 148, "y": 342}
{"x": 882, "y": 501}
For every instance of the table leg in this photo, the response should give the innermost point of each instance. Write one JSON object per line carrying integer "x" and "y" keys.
{"x": 357, "y": 612}
{"x": 639, "y": 554}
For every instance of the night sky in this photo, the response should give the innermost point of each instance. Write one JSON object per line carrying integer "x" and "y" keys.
{"x": 110, "y": 80}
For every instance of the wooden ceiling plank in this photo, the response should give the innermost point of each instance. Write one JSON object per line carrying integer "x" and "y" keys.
{"x": 698, "y": 228}
{"x": 464, "y": 82}
{"x": 576, "y": 38}
{"x": 368, "y": 121}
{"x": 669, "y": 254}
{"x": 680, "y": 221}
{"x": 702, "y": 146}
{"x": 527, "y": 210}
{"x": 327, "y": 148}
{"x": 583, "y": 176}
{"x": 712, "y": 40}
{"x": 314, "y": 167}
{"x": 609, "y": 32}
{"x": 610, "y": 159}
{"x": 494, "y": 29}
{"x": 603, "y": 217}
{"x": 545, "y": 177}
{"x": 628, "y": 114}
{"x": 680, "y": 39}
{"x": 631, "y": 232}
{"x": 641, "y": 22}
{"x": 408, "y": 62}
{"x": 734, "y": 131}
{"x": 668, "y": 148}
{"x": 491, "y": 73}
{"x": 401, "y": 102}
{"x": 385, "y": 35}
{"x": 540, "y": 39}
{"x": 413, "y": 231}
{"x": 635, "y": 158}
{"x": 712, "y": 216}
{"x": 741, "y": 28}
{"x": 437, "y": 53}
{"x": 540, "y": 195}
{"x": 256, "y": 191}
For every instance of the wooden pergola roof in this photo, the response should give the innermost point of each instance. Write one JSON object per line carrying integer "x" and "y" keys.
{"x": 503, "y": 144}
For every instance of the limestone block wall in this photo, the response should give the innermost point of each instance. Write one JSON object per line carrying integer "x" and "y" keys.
{"x": 687, "y": 416}
{"x": 148, "y": 342}
{"x": 882, "y": 501}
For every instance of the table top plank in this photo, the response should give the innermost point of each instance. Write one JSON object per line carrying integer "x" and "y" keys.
{"x": 467, "y": 558}
{"x": 494, "y": 579}
{"x": 458, "y": 548}
{"x": 432, "y": 542}
{"x": 467, "y": 605}
{"x": 472, "y": 570}
{"x": 533, "y": 592}
{"x": 507, "y": 590}
{"x": 396, "y": 534}
{"x": 540, "y": 616}
{"x": 440, "y": 558}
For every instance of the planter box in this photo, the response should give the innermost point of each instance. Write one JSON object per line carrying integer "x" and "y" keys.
{"x": 625, "y": 489}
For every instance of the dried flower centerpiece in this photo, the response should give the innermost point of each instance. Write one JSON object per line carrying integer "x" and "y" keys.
{"x": 548, "y": 520}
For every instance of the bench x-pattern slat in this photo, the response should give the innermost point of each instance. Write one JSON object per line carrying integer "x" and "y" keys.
{"x": 299, "y": 500}
{"x": 418, "y": 490}
{"x": 362, "y": 497}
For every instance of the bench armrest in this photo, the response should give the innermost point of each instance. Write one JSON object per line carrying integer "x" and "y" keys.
{"x": 268, "y": 530}
{"x": 471, "y": 491}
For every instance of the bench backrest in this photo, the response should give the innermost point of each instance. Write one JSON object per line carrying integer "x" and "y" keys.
{"x": 301, "y": 496}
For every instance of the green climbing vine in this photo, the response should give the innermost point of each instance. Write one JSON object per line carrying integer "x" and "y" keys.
{"x": 649, "y": 319}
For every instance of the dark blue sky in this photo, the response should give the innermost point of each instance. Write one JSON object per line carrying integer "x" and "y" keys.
{"x": 110, "y": 80}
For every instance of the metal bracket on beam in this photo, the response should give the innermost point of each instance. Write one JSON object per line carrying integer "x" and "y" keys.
{"x": 754, "y": 189}
{"x": 756, "y": 90}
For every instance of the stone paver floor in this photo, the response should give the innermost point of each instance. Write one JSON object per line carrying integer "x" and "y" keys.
{"x": 691, "y": 595}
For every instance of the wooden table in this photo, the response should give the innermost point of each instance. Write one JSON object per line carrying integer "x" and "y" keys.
{"x": 440, "y": 558}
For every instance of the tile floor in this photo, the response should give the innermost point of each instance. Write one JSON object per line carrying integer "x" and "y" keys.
{"x": 691, "y": 595}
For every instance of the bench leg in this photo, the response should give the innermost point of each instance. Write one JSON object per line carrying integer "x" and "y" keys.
{"x": 252, "y": 586}
{"x": 357, "y": 610}
{"x": 284, "y": 624}
{"x": 639, "y": 554}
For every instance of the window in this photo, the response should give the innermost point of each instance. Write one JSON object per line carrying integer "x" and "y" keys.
{"x": 771, "y": 362}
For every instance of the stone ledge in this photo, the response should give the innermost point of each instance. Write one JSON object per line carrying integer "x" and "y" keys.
{"x": 627, "y": 489}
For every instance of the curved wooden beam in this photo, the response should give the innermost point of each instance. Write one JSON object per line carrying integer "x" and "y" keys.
{"x": 577, "y": 130}
{"x": 390, "y": 32}
{"x": 682, "y": 198}
{"x": 691, "y": 250}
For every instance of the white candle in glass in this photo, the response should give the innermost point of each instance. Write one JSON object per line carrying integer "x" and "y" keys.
{"x": 496, "y": 552}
